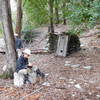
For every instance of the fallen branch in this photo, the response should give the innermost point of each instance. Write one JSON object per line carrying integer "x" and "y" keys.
{"x": 61, "y": 88}
{"x": 31, "y": 93}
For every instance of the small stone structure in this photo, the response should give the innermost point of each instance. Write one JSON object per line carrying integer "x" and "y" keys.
{"x": 64, "y": 43}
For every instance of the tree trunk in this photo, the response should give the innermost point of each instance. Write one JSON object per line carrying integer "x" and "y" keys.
{"x": 8, "y": 37}
{"x": 64, "y": 19}
{"x": 19, "y": 18}
{"x": 51, "y": 27}
{"x": 56, "y": 12}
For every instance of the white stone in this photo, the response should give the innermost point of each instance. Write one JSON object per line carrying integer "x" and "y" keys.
{"x": 78, "y": 86}
{"x": 46, "y": 74}
{"x": 90, "y": 93}
{"x": 4, "y": 68}
{"x": 18, "y": 80}
{"x": 71, "y": 82}
{"x": 73, "y": 95}
{"x": 98, "y": 95}
{"x": 74, "y": 80}
{"x": 46, "y": 84}
{"x": 82, "y": 45}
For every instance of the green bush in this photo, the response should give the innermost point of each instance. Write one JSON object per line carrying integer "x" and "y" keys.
{"x": 1, "y": 31}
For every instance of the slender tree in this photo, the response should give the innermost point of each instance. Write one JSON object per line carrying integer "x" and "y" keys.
{"x": 64, "y": 16}
{"x": 57, "y": 11}
{"x": 51, "y": 6}
{"x": 19, "y": 18}
{"x": 8, "y": 37}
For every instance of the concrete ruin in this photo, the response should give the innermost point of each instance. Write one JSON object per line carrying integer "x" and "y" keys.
{"x": 64, "y": 43}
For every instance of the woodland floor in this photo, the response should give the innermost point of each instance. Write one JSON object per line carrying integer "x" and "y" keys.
{"x": 63, "y": 83}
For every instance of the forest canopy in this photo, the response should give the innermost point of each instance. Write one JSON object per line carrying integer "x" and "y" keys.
{"x": 81, "y": 14}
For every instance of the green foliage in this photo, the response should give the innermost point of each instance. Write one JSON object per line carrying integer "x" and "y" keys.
{"x": 36, "y": 11}
{"x": 82, "y": 14}
{"x": 1, "y": 31}
{"x": 5, "y": 75}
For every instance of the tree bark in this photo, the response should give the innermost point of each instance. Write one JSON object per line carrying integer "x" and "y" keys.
{"x": 64, "y": 19}
{"x": 19, "y": 18}
{"x": 8, "y": 37}
{"x": 51, "y": 27}
{"x": 56, "y": 12}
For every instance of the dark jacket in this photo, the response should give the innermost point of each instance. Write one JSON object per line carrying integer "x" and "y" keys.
{"x": 19, "y": 43}
{"x": 21, "y": 63}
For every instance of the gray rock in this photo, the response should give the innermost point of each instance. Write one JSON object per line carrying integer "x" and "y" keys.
{"x": 67, "y": 62}
{"x": 46, "y": 84}
{"x": 75, "y": 66}
{"x": 67, "y": 65}
{"x": 73, "y": 95}
{"x": 62, "y": 78}
{"x": 98, "y": 95}
{"x": 87, "y": 67}
{"x": 46, "y": 74}
{"x": 78, "y": 86}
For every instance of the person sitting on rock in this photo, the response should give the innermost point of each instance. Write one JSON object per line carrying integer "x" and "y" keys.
{"x": 25, "y": 72}
{"x": 22, "y": 63}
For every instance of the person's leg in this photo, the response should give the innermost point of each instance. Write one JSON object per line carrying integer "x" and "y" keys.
{"x": 23, "y": 71}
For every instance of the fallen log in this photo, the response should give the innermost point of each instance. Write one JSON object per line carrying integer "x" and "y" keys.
{"x": 40, "y": 51}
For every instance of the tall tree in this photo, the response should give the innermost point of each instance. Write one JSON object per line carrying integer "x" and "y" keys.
{"x": 51, "y": 6}
{"x": 64, "y": 16}
{"x": 57, "y": 11}
{"x": 19, "y": 18}
{"x": 8, "y": 37}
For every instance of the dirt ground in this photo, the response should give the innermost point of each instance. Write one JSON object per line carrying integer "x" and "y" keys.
{"x": 63, "y": 82}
